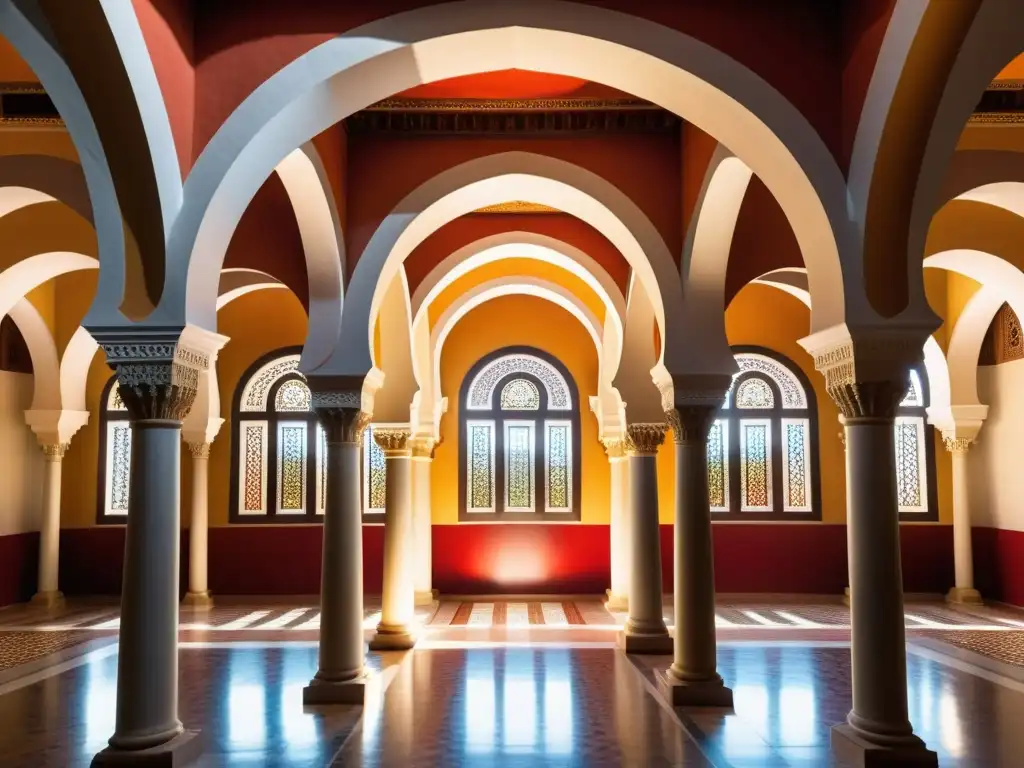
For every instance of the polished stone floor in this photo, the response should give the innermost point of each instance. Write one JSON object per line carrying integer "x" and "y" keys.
{"x": 515, "y": 697}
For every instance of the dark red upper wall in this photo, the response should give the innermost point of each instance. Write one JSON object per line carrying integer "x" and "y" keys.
{"x": 799, "y": 46}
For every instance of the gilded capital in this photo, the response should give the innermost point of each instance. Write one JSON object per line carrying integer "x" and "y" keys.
{"x": 394, "y": 441}
{"x": 690, "y": 423}
{"x": 615, "y": 447}
{"x": 199, "y": 450}
{"x": 957, "y": 444}
{"x": 54, "y": 451}
{"x": 645, "y": 439}
{"x": 422, "y": 446}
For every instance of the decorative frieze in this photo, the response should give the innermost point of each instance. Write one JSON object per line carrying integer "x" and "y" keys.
{"x": 645, "y": 439}
{"x": 394, "y": 441}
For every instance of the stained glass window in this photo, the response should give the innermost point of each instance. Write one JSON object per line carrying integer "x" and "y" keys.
{"x": 558, "y": 462}
{"x": 291, "y": 467}
{"x": 519, "y": 437}
{"x": 115, "y": 456}
{"x": 374, "y": 473}
{"x": 253, "y": 460}
{"x": 761, "y": 448}
{"x": 519, "y": 466}
{"x": 520, "y": 395}
{"x": 480, "y": 466}
{"x": 718, "y": 466}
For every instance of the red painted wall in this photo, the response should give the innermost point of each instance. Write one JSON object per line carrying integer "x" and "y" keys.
{"x": 999, "y": 564}
{"x": 497, "y": 559}
{"x": 19, "y": 556}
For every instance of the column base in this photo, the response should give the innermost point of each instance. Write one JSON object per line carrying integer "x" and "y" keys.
{"x": 633, "y": 642}
{"x": 694, "y": 693}
{"x": 616, "y": 602}
{"x": 964, "y": 596}
{"x": 428, "y": 597}
{"x": 846, "y": 597}
{"x": 392, "y": 638}
{"x": 198, "y": 600}
{"x": 53, "y": 599}
{"x": 854, "y": 750}
{"x": 323, "y": 692}
{"x": 183, "y": 749}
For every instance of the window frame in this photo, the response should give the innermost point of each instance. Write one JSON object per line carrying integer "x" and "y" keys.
{"x": 106, "y": 418}
{"x": 776, "y": 416}
{"x": 540, "y": 419}
{"x": 931, "y": 515}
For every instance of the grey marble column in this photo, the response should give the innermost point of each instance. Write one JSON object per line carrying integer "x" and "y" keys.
{"x": 157, "y": 381}
{"x": 340, "y": 677}
{"x": 693, "y": 678}
{"x": 645, "y": 630}
{"x": 878, "y": 728}
{"x": 398, "y": 601}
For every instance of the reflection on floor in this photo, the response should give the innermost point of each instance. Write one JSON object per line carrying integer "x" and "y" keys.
{"x": 531, "y": 694}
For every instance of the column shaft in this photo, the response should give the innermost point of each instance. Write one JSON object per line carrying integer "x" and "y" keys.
{"x": 963, "y": 557}
{"x": 198, "y": 532}
{"x": 147, "y": 662}
{"x": 49, "y": 529}
{"x": 398, "y": 599}
{"x": 620, "y": 534}
{"x": 695, "y": 661}
{"x": 422, "y": 525}
{"x": 878, "y": 639}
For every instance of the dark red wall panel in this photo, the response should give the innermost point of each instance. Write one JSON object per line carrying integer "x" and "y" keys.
{"x": 999, "y": 564}
{"x": 510, "y": 559}
{"x": 19, "y": 555}
{"x": 927, "y": 558}
{"x": 91, "y": 560}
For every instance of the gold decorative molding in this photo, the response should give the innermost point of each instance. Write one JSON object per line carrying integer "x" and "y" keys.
{"x": 957, "y": 444}
{"x": 517, "y": 206}
{"x": 55, "y": 451}
{"x": 645, "y": 439}
{"x": 199, "y": 450}
{"x": 393, "y": 441}
{"x": 422, "y": 447}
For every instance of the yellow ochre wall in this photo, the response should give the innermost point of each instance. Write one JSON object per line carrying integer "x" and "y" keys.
{"x": 519, "y": 321}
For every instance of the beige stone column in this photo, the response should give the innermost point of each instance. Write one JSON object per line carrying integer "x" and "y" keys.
{"x": 693, "y": 678}
{"x": 47, "y": 592}
{"x": 398, "y": 601}
{"x": 157, "y": 373}
{"x": 619, "y": 530}
{"x": 198, "y": 529}
{"x": 963, "y": 590}
{"x": 645, "y": 630}
{"x": 340, "y": 676}
{"x": 422, "y": 459}
{"x": 867, "y": 379}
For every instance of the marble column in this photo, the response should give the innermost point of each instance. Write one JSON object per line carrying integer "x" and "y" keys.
{"x": 340, "y": 676}
{"x": 48, "y": 593}
{"x": 620, "y": 541}
{"x": 157, "y": 380}
{"x": 645, "y": 630}
{"x": 963, "y": 558}
{"x": 878, "y": 729}
{"x": 198, "y": 530}
{"x": 422, "y": 459}
{"x": 398, "y": 601}
{"x": 693, "y": 678}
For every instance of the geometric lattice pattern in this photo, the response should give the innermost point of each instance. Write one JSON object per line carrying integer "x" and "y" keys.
{"x": 909, "y": 466}
{"x": 795, "y": 469}
{"x": 793, "y": 395}
{"x": 254, "y": 395}
{"x": 481, "y": 390}
{"x": 291, "y": 481}
{"x": 519, "y": 466}
{"x": 120, "y": 437}
{"x": 376, "y": 473}
{"x": 755, "y": 465}
{"x": 754, "y": 393}
{"x": 520, "y": 395}
{"x": 480, "y": 472}
{"x": 293, "y": 395}
{"x": 718, "y": 466}
{"x": 559, "y": 467}
{"x": 253, "y": 480}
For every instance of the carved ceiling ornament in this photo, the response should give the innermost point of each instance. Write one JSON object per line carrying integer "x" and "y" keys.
{"x": 645, "y": 439}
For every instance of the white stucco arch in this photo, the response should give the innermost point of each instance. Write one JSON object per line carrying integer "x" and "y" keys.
{"x": 519, "y": 245}
{"x": 705, "y": 260}
{"x": 793, "y": 280}
{"x": 46, "y": 393}
{"x": 27, "y": 31}
{"x": 487, "y": 181}
{"x": 353, "y": 70}
{"x": 1008, "y": 195}
{"x": 305, "y": 180}
{"x": 20, "y": 278}
{"x": 509, "y": 286}
{"x": 236, "y": 282}
{"x": 966, "y": 340}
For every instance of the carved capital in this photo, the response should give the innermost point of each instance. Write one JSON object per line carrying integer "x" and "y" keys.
{"x": 54, "y": 451}
{"x": 199, "y": 450}
{"x": 422, "y": 446}
{"x": 342, "y": 425}
{"x": 957, "y": 444}
{"x": 394, "y": 441}
{"x": 868, "y": 399}
{"x": 615, "y": 447}
{"x": 645, "y": 439}
{"x": 690, "y": 423}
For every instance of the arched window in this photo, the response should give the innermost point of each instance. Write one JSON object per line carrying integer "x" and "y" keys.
{"x": 762, "y": 449}
{"x": 115, "y": 456}
{"x": 915, "y": 454}
{"x": 279, "y": 453}
{"x": 519, "y": 438}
